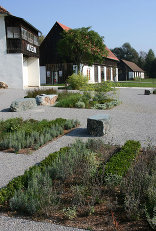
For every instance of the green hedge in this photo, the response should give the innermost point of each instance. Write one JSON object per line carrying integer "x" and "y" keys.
{"x": 21, "y": 181}
{"x": 121, "y": 161}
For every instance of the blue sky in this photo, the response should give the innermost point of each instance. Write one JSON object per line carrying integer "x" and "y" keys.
{"x": 119, "y": 21}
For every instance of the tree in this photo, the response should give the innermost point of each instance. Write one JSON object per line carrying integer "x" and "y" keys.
{"x": 82, "y": 45}
{"x": 141, "y": 60}
{"x": 153, "y": 69}
{"x": 126, "y": 52}
{"x": 149, "y": 60}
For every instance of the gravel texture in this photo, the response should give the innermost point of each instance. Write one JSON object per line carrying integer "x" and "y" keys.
{"x": 134, "y": 119}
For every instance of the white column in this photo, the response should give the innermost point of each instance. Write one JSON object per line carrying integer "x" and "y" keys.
{"x": 111, "y": 74}
{"x": 117, "y": 74}
{"x": 105, "y": 74}
{"x": 99, "y": 74}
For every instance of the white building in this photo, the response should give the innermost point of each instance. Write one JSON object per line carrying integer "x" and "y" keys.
{"x": 19, "y": 52}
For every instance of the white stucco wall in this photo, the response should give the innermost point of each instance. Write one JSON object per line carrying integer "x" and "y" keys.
{"x": 25, "y": 72}
{"x": 10, "y": 64}
{"x": 99, "y": 74}
{"x": 142, "y": 75}
{"x": 43, "y": 74}
{"x": 33, "y": 72}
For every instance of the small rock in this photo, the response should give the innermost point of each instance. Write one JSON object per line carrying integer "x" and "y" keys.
{"x": 3, "y": 85}
{"x": 46, "y": 99}
{"x": 23, "y": 104}
{"x": 147, "y": 92}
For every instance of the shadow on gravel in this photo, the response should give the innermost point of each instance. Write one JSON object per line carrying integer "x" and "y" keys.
{"x": 79, "y": 132}
{"x": 6, "y": 110}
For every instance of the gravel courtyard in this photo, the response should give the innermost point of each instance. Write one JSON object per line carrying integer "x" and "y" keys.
{"x": 134, "y": 119}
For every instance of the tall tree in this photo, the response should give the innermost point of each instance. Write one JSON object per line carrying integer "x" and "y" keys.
{"x": 126, "y": 52}
{"x": 141, "y": 60}
{"x": 153, "y": 69}
{"x": 82, "y": 45}
{"x": 149, "y": 60}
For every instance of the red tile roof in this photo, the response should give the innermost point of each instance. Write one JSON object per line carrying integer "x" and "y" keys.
{"x": 111, "y": 55}
{"x": 64, "y": 27}
{"x": 3, "y": 11}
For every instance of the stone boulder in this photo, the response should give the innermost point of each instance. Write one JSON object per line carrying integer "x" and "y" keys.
{"x": 46, "y": 99}
{"x": 147, "y": 92}
{"x": 23, "y": 104}
{"x": 3, "y": 85}
{"x": 98, "y": 125}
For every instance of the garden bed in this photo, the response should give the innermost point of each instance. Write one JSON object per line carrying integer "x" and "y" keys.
{"x": 89, "y": 196}
{"x": 22, "y": 136}
{"x": 92, "y": 96}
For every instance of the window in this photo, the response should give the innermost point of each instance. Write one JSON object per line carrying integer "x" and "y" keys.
{"x": 29, "y": 37}
{"x": 35, "y": 40}
{"x": 88, "y": 73}
{"x": 24, "y": 34}
{"x": 13, "y": 32}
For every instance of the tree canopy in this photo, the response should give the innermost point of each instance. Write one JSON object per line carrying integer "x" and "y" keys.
{"x": 126, "y": 52}
{"x": 82, "y": 45}
{"x": 148, "y": 61}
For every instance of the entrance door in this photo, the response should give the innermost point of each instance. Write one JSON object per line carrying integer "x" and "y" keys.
{"x": 48, "y": 78}
{"x": 108, "y": 73}
{"x": 96, "y": 73}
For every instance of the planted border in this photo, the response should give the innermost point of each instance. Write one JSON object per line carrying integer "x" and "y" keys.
{"x": 18, "y": 134}
{"x": 21, "y": 181}
{"x": 121, "y": 161}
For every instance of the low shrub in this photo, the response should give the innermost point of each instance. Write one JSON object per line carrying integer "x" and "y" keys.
{"x": 19, "y": 134}
{"x": 21, "y": 182}
{"x": 120, "y": 162}
{"x": 77, "y": 81}
{"x": 80, "y": 104}
{"x": 68, "y": 100}
{"x": 36, "y": 196}
{"x": 139, "y": 188}
{"x": 154, "y": 91}
{"x": 37, "y": 91}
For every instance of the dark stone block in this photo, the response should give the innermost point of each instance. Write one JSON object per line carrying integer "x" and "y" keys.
{"x": 147, "y": 92}
{"x": 98, "y": 125}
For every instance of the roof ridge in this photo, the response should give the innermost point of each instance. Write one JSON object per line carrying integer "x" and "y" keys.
{"x": 64, "y": 27}
{"x": 4, "y": 11}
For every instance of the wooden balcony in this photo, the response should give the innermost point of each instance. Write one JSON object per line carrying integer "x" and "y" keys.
{"x": 22, "y": 46}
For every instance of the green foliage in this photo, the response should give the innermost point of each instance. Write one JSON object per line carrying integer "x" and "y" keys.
{"x": 70, "y": 213}
{"x": 120, "y": 162}
{"x": 77, "y": 81}
{"x": 89, "y": 99}
{"x": 154, "y": 91}
{"x": 36, "y": 196}
{"x": 69, "y": 100}
{"x": 107, "y": 105}
{"x": 78, "y": 155}
{"x": 21, "y": 182}
{"x": 80, "y": 104}
{"x": 126, "y": 52}
{"x": 148, "y": 61}
{"x": 19, "y": 134}
{"x": 82, "y": 44}
{"x": 33, "y": 93}
{"x": 139, "y": 187}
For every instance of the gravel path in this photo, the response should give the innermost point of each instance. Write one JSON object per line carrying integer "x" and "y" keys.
{"x": 134, "y": 119}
